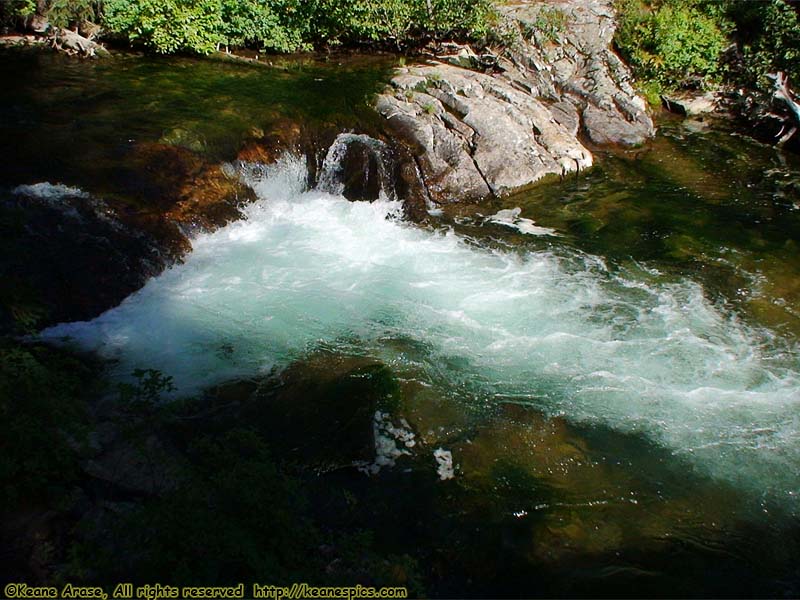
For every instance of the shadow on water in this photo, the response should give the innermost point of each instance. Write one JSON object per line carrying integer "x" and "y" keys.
{"x": 541, "y": 507}
{"x": 97, "y": 125}
{"x": 538, "y": 506}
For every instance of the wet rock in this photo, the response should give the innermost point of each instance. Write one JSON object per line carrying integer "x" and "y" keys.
{"x": 94, "y": 256}
{"x": 161, "y": 171}
{"x": 184, "y": 138}
{"x": 357, "y": 166}
{"x": 289, "y": 136}
{"x": 69, "y": 254}
{"x": 410, "y": 187}
{"x": 181, "y": 187}
{"x": 362, "y": 173}
{"x": 211, "y": 199}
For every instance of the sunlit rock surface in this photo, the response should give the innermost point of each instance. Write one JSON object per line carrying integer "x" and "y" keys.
{"x": 476, "y": 134}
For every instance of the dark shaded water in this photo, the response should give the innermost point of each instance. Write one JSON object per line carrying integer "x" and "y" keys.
{"x": 93, "y": 124}
{"x": 620, "y": 400}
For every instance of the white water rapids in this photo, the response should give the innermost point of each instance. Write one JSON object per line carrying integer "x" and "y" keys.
{"x": 563, "y": 332}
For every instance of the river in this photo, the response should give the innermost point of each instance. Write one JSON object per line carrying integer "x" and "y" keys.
{"x": 611, "y": 360}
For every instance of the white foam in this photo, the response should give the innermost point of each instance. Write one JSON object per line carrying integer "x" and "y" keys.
{"x": 444, "y": 464}
{"x": 391, "y": 442}
{"x": 49, "y": 191}
{"x": 307, "y": 268}
{"x": 510, "y": 218}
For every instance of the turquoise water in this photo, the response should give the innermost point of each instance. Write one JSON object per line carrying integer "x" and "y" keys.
{"x": 559, "y": 329}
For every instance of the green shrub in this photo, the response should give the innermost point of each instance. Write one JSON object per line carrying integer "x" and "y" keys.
{"x": 70, "y": 13}
{"x": 769, "y": 36}
{"x": 268, "y": 26}
{"x": 290, "y": 25}
{"x": 167, "y": 26}
{"x": 671, "y": 42}
{"x": 551, "y": 22}
{"x": 12, "y": 11}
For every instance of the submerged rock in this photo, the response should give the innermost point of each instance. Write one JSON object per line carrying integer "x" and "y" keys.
{"x": 474, "y": 134}
{"x": 182, "y": 187}
{"x": 321, "y": 412}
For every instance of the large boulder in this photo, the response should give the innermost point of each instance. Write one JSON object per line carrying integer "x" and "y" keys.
{"x": 69, "y": 256}
{"x": 475, "y": 134}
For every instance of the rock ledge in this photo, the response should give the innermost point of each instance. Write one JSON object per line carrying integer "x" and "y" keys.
{"x": 476, "y": 134}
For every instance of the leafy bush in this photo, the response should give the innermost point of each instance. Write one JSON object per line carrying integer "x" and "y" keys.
{"x": 167, "y": 26}
{"x": 263, "y": 25}
{"x": 60, "y": 13}
{"x": 15, "y": 10}
{"x": 202, "y": 26}
{"x": 769, "y": 35}
{"x": 551, "y": 22}
{"x": 290, "y": 25}
{"x": 671, "y": 42}
{"x": 70, "y": 13}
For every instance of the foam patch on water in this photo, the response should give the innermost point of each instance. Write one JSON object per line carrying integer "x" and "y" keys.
{"x": 444, "y": 464}
{"x": 49, "y": 191}
{"x": 391, "y": 442}
{"x": 623, "y": 349}
{"x": 509, "y": 217}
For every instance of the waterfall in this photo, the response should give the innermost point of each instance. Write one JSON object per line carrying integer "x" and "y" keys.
{"x": 357, "y": 166}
